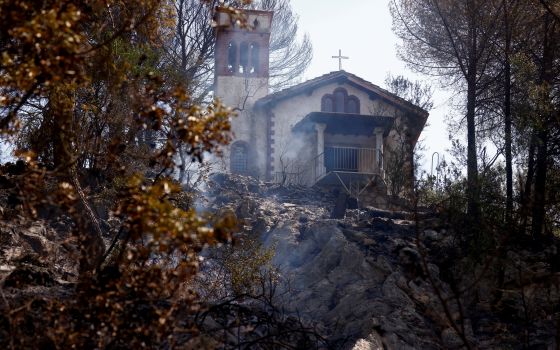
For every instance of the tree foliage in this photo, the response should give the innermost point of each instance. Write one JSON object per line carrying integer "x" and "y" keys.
{"x": 414, "y": 92}
{"x": 453, "y": 39}
{"x": 501, "y": 56}
{"x": 85, "y": 96}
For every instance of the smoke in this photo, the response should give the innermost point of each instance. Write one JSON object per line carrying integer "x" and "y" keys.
{"x": 294, "y": 159}
{"x": 296, "y": 146}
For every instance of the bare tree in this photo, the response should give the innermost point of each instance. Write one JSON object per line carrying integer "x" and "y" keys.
{"x": 192, "y": 46}
{"x": 289, "y": 57}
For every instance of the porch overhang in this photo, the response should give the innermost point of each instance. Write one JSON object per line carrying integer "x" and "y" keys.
{"x": 344, "y": 123}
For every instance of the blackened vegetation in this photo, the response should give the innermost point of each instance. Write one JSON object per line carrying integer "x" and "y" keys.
{"x": 255, "y": 322}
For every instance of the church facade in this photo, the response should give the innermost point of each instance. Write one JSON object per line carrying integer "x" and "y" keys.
{"x": 337, "y": 129}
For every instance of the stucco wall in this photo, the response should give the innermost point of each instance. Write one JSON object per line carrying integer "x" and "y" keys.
{"x": 240, "y": 94}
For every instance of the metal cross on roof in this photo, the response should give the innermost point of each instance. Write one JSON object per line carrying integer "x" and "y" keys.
{"x": 340, "y": 58}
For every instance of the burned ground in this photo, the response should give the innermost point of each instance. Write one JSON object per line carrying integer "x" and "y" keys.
{"x": 374, "y": 279}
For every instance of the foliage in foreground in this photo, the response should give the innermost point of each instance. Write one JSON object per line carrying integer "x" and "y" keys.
{"x": 85, "y": 96}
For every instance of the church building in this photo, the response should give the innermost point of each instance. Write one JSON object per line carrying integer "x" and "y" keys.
{"x": 334, "y": 130}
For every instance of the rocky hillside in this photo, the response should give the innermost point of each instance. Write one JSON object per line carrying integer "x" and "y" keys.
{"x": 382, "y": 280}
{"x": 373, "y": 280}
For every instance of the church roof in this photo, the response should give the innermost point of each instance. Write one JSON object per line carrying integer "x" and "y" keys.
{"x": 343, "y": 77}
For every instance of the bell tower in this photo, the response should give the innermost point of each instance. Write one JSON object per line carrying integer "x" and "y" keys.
{"x": 242, "y": 57}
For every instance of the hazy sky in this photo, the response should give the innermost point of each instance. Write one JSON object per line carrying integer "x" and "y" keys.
{"x": 362, "y": 30}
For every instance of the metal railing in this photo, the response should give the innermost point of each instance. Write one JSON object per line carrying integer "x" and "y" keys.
{"x": 348, "y": 159}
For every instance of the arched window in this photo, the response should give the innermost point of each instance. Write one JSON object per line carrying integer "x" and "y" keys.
{"x": 239, "y": 158}
{"x": 353, "y": 105}
{"x": 254, "y": 58}
{"x": 243, "y": 57}
{"x": 232, "y": 57}
{"x": 340, "y": 100}
{"x": 327, "y": 104}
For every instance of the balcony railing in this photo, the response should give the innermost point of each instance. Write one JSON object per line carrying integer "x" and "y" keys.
{"x": 348, "y": 159}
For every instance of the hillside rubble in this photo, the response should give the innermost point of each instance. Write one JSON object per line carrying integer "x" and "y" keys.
{"x": 365, "y": 279}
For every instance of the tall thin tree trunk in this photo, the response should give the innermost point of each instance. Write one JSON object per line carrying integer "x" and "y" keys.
{"x": 472, "y": 162}
{"x": 508, "y": 141}
{"x": 59, "y": 123}
{"x": 540, "y": 186}
{"x": 542, "y": 135}
{"x": 507, "y": 119}
{"x": 91, "y": 244}
{"x": 473, "y": 205}
{"x": 508, "y": 155}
